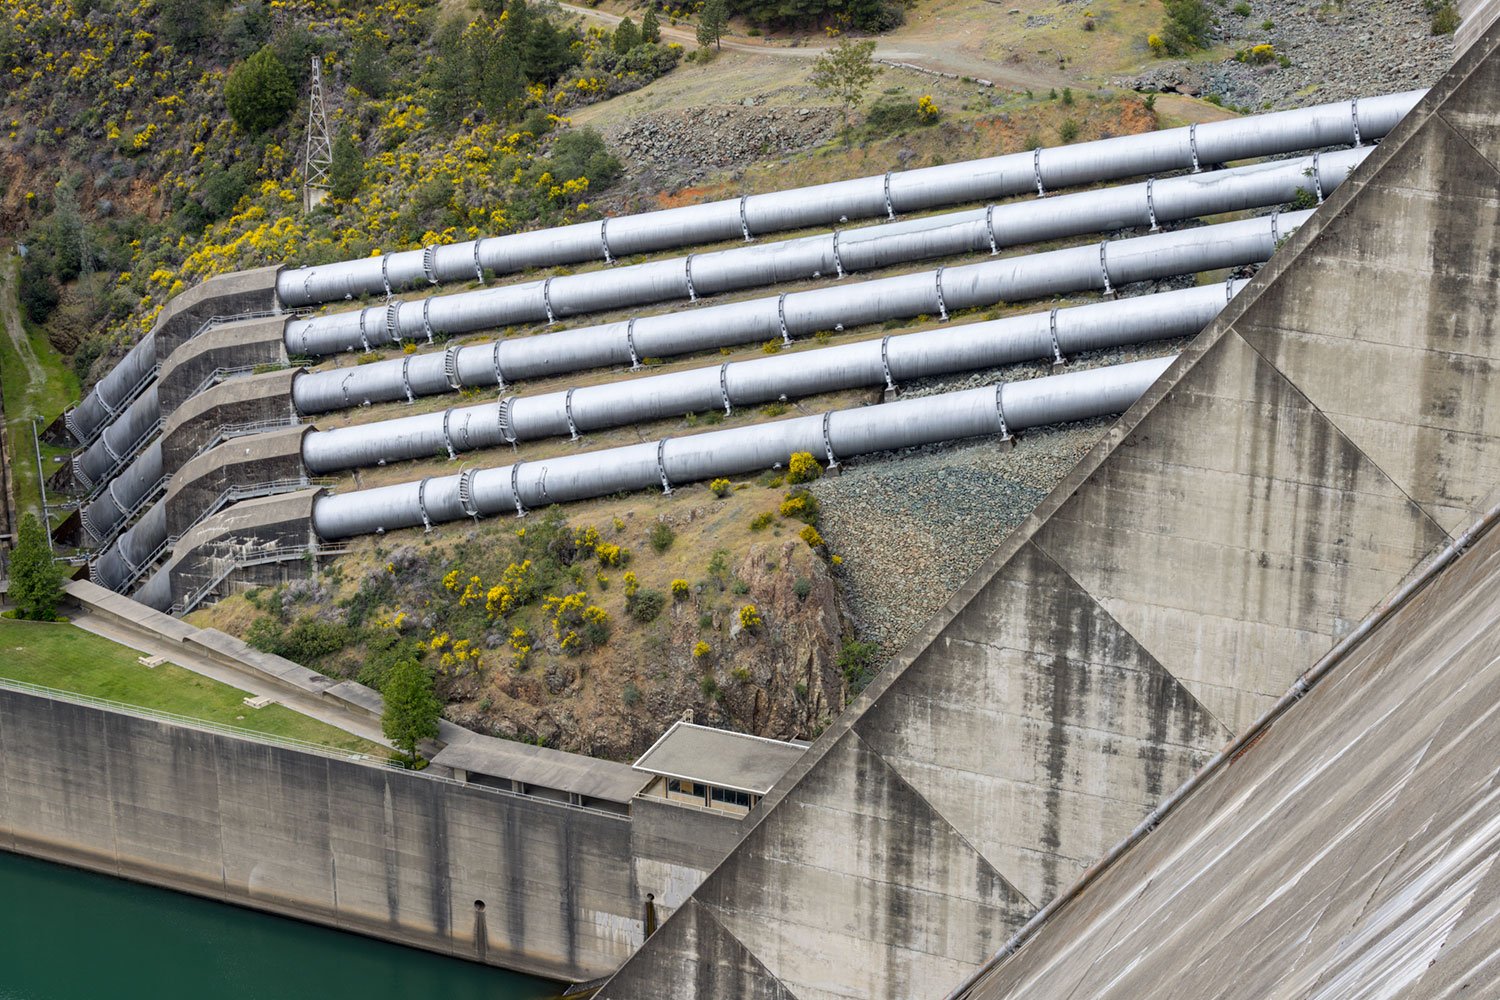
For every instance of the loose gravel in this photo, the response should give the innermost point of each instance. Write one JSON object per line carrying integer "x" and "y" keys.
{"x": 912, "y": 525}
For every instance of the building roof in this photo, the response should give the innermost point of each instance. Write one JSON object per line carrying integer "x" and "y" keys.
{"x": 545, "y": 768}
{"x": 720, "y": 758}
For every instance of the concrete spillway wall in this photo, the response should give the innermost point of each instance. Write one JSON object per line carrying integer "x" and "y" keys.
{"x": 1336, "y": 426}
{"x": 385, "y": 852}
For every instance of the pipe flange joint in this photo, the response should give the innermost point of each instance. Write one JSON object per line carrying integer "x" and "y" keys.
{"x": 661, "y": 465}
{"x": 745, "y": 219}
{"x": 466, "y": 493}
{"x": 429, "y": 263}
{"x": 833, "y": 462}
{"x": 385, "y": 273}
{"x": 838, "y": 262}
{"x": 1036, "y": 171}
{"x": 1354, "y": 120}
{"x": 890, "y": 207}
{"x": 447, "y": 436}
{"x": 427, "y": 318}
{"x": 411, "y": 397}
{"x": 724, "y": 386}
{"x": 1109, "y": 290}
{"x": 786, "y": 337}
{"x": 568, "y": 412}
{"x": 1193, "y": 146}
{"x": 364, "y": 340}
{"x": 1057, "y": 355}
{"x": 1005, "y": 434}
{"x": 1151, "y": 204}
{"x": 504, "y": 419}
{"x": 687, "y": 271}
{"x": 885, "y": 364}
{"x": 478, "y": 267}
{"x": 1317, "y": 178}
{"x": 635, "y": 360}
{"x": 989, "y": 229}
{"x": 547, "y": 301}
{"x": 515, "y": 488}
{"x": 604, "y": 240}
{"x": 941, "y": 304}
{"x": 393, "y": 320}
{"x": 495, "y": 363}
{"x": 422, "y": 504}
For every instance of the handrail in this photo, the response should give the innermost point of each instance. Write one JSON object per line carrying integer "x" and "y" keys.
{"x": 261, "y": 558}
{"x": 228, "y": 432}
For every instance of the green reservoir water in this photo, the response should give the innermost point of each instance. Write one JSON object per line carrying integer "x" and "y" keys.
{"x": 73, "y": 935}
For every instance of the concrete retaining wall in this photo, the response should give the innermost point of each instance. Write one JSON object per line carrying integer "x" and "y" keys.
{"x": 384, "y": 852}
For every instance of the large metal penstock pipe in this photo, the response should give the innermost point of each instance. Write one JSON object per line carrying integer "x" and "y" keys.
{"x": 688, "y": 278}
{"x": 122, "y": 440}
{"x": 879, "y": 195}
{"x": 104, "y": 515}
{"x": 1011, "y": 279}
{"x": 838, "y": 434}
{"x": 112, "y": 393}
{"x": 875, "y": 362}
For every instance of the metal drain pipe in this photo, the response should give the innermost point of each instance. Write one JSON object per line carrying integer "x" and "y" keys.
{"x": 993, "y": 410}
{"x": 880, "y": 195}
{"x": 828, "y": 255}
{"x": 781, "y": 317}
{"x": 884, "y": 361}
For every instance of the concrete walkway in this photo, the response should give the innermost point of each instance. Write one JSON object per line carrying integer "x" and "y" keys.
{"x": 307, "y": 705}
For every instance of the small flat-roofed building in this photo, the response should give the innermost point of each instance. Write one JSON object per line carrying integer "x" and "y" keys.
{"x": 715, "y": 769}
{"x": 542, "y": 772}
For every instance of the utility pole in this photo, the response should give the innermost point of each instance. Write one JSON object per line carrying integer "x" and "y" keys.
{"x": 319, "y": 144}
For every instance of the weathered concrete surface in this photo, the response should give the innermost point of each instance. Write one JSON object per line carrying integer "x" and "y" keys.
{"x": 222, "y": 295}
{"x": 385, "y": 852}
{"x": 253, "y": 399}
{"x": 1332, "y": 430}
{"x": 241, "y": 540}
{"x": 1350, "y": 851}
{"x": 231, "y": 345}
{"x": 258, "y": 459}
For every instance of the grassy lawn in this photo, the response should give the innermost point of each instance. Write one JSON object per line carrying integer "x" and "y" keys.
{"x": 41, "y": 384}
{"x": 68, "y": 658}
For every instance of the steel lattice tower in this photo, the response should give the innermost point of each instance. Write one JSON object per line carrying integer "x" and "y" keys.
{"x": 319, "y": 144}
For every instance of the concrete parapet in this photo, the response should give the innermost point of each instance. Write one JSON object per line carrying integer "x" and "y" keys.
{"x": 232, "y": 346}
{"x": 237, "y": 403}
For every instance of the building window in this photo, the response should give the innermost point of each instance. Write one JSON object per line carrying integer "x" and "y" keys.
{"x": 732, "y": 798}
{"x": 676, "y": 786}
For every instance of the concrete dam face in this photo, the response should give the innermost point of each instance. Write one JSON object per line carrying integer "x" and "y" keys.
{"x": 1336, "y": 428}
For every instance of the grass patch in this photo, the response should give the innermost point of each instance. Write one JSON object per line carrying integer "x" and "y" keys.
{"x": 40, "y": 384}
{"x": 69, "y": 659}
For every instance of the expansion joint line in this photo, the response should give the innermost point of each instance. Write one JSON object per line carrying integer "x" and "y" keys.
{"x": 635, "y": 360}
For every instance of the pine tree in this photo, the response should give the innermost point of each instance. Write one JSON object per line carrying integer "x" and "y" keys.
{"x": 411, "y": 709}
{"x": 347, "y": 172}
{"x": 35, "y": 580}
{"x": 651, "y": 27}
{"x": 712, "y": 23}
{"x": 627, "y": 36}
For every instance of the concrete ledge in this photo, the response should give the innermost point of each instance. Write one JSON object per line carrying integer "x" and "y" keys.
{"x": 233, "y": 345}
{"x": 252, "y": 399}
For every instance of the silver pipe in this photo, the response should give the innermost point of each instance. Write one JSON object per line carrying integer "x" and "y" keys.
{"x": 879, "y": 195}
{"x": 132, "y": 550}
{"x": 112, "y": 393}
{"x": 1011, "y": 279}
{"x": 839, "y": 434}
{"x": 122, "y": 440}
{"x": 1151, "y": 203}
{"x": 103, "y": 516}
{"x": 881, "y": 361}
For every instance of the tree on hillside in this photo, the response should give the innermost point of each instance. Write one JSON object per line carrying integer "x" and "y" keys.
{"x": 411, "y": 709}
{"x": 627, "y": 36}
{"x": 846, "y": 71}
{"x": 1188, "y": 25}
{"x": 712, "y": 23}
{"x": 347, "y": 171}
{"x": 259, "y": 93}
{"x": 35, "y": 580}
{"x": 651, "y": 26}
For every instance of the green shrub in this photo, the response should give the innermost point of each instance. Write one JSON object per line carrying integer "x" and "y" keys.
{"x": 720, "y": 488}
{"x": 645, "y": 605}
{"x": 631, "y": 695}
{"x": 761, "y": 522}
{"x": 1445, "y": 19}
{"x": 1068, "y": 130}
{"x": 857, "y": 662}
{"x": 1242, "y": 9}
{"x": 662, "y": 536}
{"x": 259, "y": 93}
{"x": 802, "y": 588}
{"x": 1187, "y": 26}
